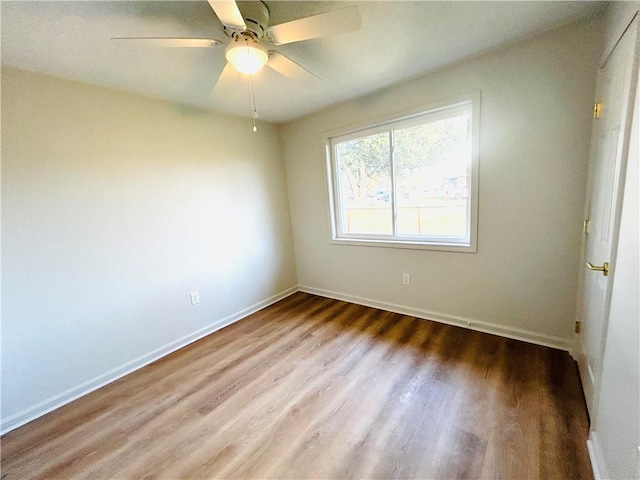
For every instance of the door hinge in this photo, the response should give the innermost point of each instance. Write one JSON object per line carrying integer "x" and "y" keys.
{"x": 597, "y": 107}
{"x": 577, "y": 327}
{"x": 585, "y": 227}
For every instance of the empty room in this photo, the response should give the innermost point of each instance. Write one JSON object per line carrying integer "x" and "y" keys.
{"x": 320, "y": 239}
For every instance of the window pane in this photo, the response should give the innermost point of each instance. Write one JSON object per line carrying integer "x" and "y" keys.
{"x": 431, "y": 162}
{"x": 364, "y": 179}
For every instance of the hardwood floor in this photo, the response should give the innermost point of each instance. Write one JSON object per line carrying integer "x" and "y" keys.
{"x": 317, "y": 388}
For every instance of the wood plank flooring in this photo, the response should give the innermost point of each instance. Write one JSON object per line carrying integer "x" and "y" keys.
{"x": 317, "y": 388}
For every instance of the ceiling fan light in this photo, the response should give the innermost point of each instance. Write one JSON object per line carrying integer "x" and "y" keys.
{"x": 247, "y": 56}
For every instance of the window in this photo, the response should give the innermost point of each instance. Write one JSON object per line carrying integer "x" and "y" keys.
{"x": 408, "y": 182}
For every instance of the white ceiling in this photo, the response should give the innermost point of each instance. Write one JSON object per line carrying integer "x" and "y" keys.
{"x": 397, "y": 40}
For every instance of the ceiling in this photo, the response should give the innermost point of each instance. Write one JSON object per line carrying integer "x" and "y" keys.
{"x": 397, "y": 40}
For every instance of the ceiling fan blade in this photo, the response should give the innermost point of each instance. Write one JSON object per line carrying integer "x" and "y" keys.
{"x": 228, "y": 13}
{"x": 322, "y": 25}
{"x": 172, "y": 42}
{"x": 290, "y": 69}
{"x": 227, "y": 78}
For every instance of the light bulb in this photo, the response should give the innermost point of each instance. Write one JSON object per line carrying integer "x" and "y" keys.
{"x": 246, "y": 55}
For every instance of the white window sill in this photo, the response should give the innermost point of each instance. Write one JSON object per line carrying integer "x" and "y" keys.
{"x": 442, "y": 247}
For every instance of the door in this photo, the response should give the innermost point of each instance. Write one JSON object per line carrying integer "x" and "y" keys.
{"x": 610, "y": 136}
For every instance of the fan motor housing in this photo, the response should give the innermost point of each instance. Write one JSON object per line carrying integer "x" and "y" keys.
{"x": 256, "y": 17}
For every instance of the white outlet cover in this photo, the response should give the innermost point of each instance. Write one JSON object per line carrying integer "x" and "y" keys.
{"x": 195, "y": 298}
{"x": 406, "y": 279}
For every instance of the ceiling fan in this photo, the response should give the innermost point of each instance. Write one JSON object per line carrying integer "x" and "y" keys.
{"x": 247, "y": 26}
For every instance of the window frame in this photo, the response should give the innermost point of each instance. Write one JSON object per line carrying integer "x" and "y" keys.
{"x": 387, "y": 124}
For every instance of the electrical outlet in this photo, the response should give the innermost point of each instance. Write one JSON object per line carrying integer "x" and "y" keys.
{"x": 406, "y": 279}
{"x": 195, "y": 298}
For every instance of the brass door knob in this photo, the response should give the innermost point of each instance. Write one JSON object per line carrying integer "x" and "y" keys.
{"x": 604, "y": 268}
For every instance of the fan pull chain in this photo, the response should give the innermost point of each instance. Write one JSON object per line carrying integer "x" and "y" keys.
{"x": 254, "y": 112}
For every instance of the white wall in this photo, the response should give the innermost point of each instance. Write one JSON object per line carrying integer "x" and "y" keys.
{"x": 535, "y": 123}
{"x": 114, "y": 208}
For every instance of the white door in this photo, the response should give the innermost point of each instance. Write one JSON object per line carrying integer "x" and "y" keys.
{"x": 609, "y": 147}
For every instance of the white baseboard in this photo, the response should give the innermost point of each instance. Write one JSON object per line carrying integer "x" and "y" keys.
{"x": 31, "y": 413}
{"x": 596, "y": 456}
{"x": 35, "y": 411}
{"x": 480, "y": 326}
